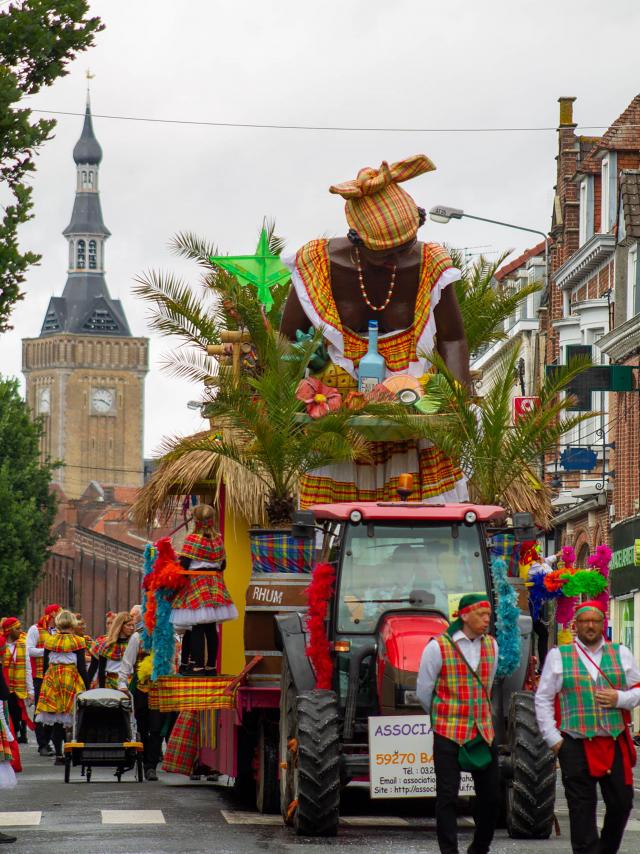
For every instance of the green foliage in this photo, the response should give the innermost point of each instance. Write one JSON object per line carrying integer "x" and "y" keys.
{"x": 484, "y": 304}
{"x": 27, "y": 506}
{"x": 478, "y": 432}
{"x": 38, "y": 38}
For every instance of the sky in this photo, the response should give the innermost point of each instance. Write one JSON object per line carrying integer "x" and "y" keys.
{"x": 436, "y": 70}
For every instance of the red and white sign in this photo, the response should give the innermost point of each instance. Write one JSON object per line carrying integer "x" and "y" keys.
{"x": 523, "y": 406}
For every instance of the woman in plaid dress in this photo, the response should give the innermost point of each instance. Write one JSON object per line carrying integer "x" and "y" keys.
{"x": 107, "y": 653}
{"x": 65, "y": 675}
{"x": 204, "y": 601}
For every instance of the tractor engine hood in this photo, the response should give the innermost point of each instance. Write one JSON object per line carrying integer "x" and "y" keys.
{"x": 401, "y": 642}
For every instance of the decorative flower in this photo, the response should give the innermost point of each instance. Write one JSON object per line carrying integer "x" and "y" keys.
{"x": 355, "y": 400}
{"x": 318, "y": 398}
{"x": 553, "y": 580}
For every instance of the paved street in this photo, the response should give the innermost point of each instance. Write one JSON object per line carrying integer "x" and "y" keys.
{"x": 105, "y": 817}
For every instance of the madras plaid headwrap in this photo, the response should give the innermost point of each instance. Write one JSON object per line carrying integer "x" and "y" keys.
{"x": 199, "y": 547}
{"x": 191, "y": 693}
{"x": 272, "y": 552}
{"x": 383, "y": 214}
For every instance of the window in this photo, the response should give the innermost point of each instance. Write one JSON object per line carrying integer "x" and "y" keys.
{"x": 609, "y": 192}
{"x": 92, "y": 255}
{"x": 633, "y": 285}
{"x": 586, "y": 209}
{"x": 71, "y": 253}
{"x": 81, "y": 257}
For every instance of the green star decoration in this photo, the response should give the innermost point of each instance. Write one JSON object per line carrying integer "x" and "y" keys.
{"x": 264, "y": 270}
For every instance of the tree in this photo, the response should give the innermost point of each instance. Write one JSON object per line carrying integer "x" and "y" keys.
{"x": 38, "y": 39}
{"x": 27, "y": 505}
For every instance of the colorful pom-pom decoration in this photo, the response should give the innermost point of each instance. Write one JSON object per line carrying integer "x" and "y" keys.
{"x": 507, "y": 616}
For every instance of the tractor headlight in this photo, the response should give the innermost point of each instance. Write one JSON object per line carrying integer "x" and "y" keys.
{"x": 355, "y": 517}
{"x": 470, "y": 517}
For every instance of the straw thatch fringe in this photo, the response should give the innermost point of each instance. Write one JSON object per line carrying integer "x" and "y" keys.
{"x": 185, "y": 471}
{"x": 521, "y": 497}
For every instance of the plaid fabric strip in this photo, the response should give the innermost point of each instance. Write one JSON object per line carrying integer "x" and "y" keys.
{"x": 183, "y": 746}
{"x": 5, "y": 745}
{"x": 16, "y": 668}
{"x": 60, "y": 685}
{"x": 459, "y": 709}
{"x": 113, "y": 651}
{"x": 208, "y": 729}
{"x": 199, "y": 547}
{"x": 504, "y": 547}
{"x": 579, "y": 711}
{"x": 436, "y": 475}
{"x": 191, "y": 694}
{"x": 280, "y": 553}
{"x": 203, "y": 591}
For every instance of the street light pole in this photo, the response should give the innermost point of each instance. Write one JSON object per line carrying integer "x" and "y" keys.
{"x": 443, "y": 214}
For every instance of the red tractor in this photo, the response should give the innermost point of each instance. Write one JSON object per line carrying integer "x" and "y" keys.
{"x": 399, "y": 568}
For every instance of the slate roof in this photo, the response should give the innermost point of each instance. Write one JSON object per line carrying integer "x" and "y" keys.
{"x": 630, "y": 200}
{"x": 87, "y": 148}
{"x": 86, "y": 217}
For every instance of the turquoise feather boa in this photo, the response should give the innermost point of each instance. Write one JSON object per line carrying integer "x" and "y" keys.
{"x": 507, "y": 629}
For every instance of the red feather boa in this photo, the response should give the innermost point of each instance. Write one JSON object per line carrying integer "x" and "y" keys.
{"x": 319, "y": 650}
{"x": 166, "y": 575}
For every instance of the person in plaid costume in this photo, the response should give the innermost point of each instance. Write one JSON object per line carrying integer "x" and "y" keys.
{"x": 583, "y": 702}
{"x": 381, "y": 272}
{"x": 107, "y": 653}
{"x": 19, "y": 677}
{"x": 204, "y": 601}
{"x": 35, "y": 650}
{"x": 460, "y": 708}
{"x": 65, "y": 675}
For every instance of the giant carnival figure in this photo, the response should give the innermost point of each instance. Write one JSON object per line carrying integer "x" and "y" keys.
{"x": 381, "y": 272}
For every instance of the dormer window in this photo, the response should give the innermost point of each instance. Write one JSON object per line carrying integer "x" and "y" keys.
{"x": 609, "y": 192}
{"x": 586, "y": 209}
{"x": 81, "y": 258}
{"x": 93, "y": 258}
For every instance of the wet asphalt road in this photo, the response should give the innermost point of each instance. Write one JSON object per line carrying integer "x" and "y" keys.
{"x": 203, "y": 817}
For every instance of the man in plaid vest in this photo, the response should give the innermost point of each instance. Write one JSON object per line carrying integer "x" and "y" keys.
{"x": 582, "y": 706}
{"x": 18, "y": 673}
{"x": 454, "y": 686}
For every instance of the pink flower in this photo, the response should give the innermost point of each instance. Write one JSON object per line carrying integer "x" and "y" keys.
{"x": 318, "y": 398}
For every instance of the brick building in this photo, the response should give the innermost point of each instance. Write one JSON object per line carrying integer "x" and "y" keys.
{"x": 97, "y": 562}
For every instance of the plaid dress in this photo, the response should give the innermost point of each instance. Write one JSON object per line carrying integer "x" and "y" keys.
{"x": 376, "y": 479}
{"x": 205, "y": 599}
{"x": 15, "y": 664}
{"x": 62, "y": 681}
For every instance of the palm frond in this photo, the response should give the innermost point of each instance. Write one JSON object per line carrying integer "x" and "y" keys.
{"x": 192, "y": 365}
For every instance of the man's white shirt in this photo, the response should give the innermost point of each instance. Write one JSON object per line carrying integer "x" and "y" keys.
{"x": 551, "y": 684}
{"x": 431, "y": 664}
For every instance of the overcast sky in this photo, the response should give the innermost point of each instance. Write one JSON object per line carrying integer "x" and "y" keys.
{"x": 357, "y": 63}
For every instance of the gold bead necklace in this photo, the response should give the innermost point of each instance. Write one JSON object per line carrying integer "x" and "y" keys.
{"x": 363, "y": 290}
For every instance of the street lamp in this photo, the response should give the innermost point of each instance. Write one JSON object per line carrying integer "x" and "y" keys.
{"x": 443, "y": 214}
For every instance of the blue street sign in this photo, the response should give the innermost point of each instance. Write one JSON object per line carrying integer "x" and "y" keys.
{"x": 578, "y": 459}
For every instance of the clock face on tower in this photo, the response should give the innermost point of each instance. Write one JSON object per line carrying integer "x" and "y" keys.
{"x": 102, "y": 400}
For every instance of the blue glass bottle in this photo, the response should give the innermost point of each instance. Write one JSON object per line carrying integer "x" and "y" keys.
{"x": 371, "y": 370}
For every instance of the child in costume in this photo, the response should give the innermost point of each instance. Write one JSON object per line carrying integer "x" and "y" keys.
{"x": 107, "y": 653}
{"x": 65, "y": 675}
{"x": 205, "y": 600}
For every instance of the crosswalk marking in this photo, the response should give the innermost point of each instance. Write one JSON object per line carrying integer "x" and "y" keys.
{"x": 132, "y": 817}
{"x": 20, "y": 819}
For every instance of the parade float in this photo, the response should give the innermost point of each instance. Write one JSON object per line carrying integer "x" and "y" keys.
{"x": 378, "y": 437}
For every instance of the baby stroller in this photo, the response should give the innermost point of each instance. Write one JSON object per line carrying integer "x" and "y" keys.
{"x": 103, "y": 735}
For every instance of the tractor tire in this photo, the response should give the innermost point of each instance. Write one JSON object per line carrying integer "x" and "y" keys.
{"x": 288, "y": 749}
{"x": 267, "y": 785}
{"x": 317, "y": 773}
{"x": 531, "y": 793}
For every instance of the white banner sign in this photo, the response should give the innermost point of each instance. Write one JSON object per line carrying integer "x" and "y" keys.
{"x": 401, "y": 758}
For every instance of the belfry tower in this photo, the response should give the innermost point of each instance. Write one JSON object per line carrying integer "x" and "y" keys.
{"x": 85, "y": 371}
